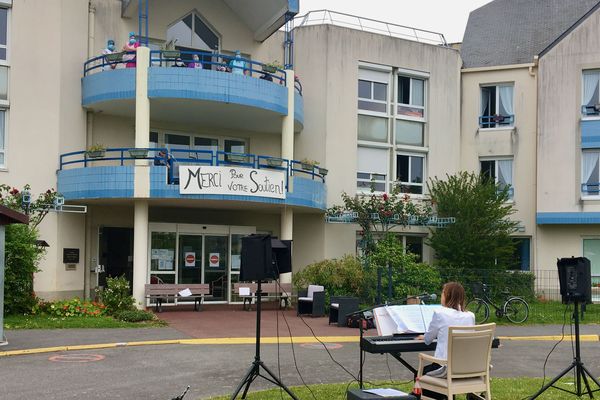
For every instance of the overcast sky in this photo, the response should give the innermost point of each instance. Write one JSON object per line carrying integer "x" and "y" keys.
{"x": 444, "y": 16}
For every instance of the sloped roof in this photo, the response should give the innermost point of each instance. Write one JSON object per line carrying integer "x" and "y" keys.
{"x": 505, "y": 32}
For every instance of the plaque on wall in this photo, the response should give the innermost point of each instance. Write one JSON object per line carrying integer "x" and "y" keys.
{"x": 71, "y": 256}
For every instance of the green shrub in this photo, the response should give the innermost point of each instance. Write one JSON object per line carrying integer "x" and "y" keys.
{"x": 343, "y": 276}
{"x": 134, "y": 315}
{"x": 116, "y": 296}
{"x": 22, "y": 257}
{"x": 417, "y": 279}
{"x": 70, "y": 308}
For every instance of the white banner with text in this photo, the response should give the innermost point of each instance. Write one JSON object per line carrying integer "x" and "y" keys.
{"x": 231, "y": 180}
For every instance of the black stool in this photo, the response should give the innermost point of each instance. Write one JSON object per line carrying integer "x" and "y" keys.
{"x": 357, "y": 394}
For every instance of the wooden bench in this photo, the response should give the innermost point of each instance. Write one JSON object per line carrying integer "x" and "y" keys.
{"x": 162, "y": 292}
{"x": 270, "y": 290}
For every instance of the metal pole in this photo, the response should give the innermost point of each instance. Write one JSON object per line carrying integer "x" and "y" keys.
{"x": 3, "y": 340}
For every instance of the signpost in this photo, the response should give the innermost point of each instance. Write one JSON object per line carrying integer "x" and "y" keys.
{"x": 7, "y": 216}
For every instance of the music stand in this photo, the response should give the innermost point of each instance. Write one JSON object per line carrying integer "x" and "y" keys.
{"x": 581, "y": 371}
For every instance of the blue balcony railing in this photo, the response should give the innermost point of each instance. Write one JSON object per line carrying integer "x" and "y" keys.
{"x": 590, "y": 189}
{"x": 185, "y": 59}
{"x": 172, "y": 158}
{"x": 496, "y": 121}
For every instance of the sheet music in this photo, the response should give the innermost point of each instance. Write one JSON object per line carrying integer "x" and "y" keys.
{"x": 412, "y": 318}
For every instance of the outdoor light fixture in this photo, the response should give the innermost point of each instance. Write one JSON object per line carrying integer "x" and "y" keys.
{"x": 26, "y": 198}
{"x": 59, "y": 201}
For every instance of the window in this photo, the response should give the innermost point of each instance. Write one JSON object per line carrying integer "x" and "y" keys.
{"x": 372, "y": 169}
{"x": 590, "y": 103}
{"x": 3, "y": 138}
{"x": 372, "y": 96}
{"x": 591, "y": 250}
{"x": 497, "y": 108}
{"x": 590, "y": 173}
{"x": 374, "y": 129}
{"x": 409, "y": 133}
{"x": 192, "y": 32}
{"x": 411, "y": 244}
{"x": 409, "y": 172}
{"x": 411, "y": 97}
{"x": 522, "y": 255}
{"x": 500, "y": 171}
{"x": 4, "y": 34}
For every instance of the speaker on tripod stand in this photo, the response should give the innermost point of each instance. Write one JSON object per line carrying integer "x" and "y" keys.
{"x": 575, "y": 277}
{"x": 263, "y": 258}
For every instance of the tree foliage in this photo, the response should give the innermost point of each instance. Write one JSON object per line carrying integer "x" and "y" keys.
{"x": 480, "y": 237}
{"x": 22, "y": 253}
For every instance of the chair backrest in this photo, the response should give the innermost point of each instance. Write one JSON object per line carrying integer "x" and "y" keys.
{"x": 469, "y": 350}
{"x": 314, "y": 288}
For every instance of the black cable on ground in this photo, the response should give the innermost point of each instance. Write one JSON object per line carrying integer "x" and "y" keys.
{"x": 553, "y": 348}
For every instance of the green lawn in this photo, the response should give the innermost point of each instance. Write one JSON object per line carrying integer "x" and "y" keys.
{"x": 12, "y": 322}
{"x": 551, "y": 312}
{"x": 502, "y": 389}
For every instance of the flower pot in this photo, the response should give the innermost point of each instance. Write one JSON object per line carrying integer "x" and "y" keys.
{"x": 323, "y": 171}
{"x": 138, "y": 153}
{"x": 237, "y": 158}
{"x": 269, "y": 68}
{"x": 274, "y": 162}
{"x": 95, "y": 153}
{"x": 307, "y": 167}
{"x": 171, "y": 54}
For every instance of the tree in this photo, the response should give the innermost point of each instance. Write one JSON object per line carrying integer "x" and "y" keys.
{"x": 22, "y": 252}
{"x": 480, "y": 238}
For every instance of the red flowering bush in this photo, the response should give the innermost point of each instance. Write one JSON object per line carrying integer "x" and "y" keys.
{"x": 70, "y": 308}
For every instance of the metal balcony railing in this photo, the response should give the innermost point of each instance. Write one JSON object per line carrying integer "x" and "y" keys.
{"x": 496, "y": 121}
{"x": 322, "y": 17}
{"x": 172, "y": 158}
{"x": 206, "y": 60}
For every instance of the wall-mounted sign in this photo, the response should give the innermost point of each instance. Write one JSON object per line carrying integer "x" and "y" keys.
{"x": 213, "y": 259}
{"x": 70, "y": 256}
{"x": 232, "y": 181}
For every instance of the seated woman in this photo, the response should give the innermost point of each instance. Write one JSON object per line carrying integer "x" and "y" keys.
{"x": 451, "y": 314}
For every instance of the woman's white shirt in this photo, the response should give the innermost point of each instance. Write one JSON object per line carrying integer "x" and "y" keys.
{"x": 442, "y": 319}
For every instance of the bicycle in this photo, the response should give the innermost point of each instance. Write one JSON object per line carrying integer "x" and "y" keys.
{"x": 514, "y": 308}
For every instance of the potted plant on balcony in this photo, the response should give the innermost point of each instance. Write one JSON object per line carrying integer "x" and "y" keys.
{"x": 96, "y": 151}
{"x": 274, "y": 162}
{"x": 323, "y": 171}
{"x": 138, "y": 153}
{"x": 308, "y": 164}
{"x": 272, "y": 67}
{"x": 238, "y": 158}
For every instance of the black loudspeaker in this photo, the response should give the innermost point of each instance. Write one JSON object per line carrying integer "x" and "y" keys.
{"x": 575, "y": 277}
{"x": 264, "y": 257}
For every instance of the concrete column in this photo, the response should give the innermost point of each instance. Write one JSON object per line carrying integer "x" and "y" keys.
{"x": 2, "y": 248}
{"x": 140, "y": 251}
{"x": 287, "y": 152}
{"x": 142, "y": 102}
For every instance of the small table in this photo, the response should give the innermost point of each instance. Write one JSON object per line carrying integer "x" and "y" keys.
{"x": 357, "y": 394}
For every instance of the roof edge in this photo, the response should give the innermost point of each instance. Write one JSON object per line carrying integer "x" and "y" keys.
{"x": 497, "y": 67}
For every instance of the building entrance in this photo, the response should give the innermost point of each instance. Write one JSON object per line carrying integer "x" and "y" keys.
{"x": 116, "y": 254}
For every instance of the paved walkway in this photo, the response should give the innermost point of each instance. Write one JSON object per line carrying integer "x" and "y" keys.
{"x": 217, "y": 326}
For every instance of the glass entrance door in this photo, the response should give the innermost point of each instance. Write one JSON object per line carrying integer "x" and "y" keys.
{"x": 216, "y": 264}
{"x": 190, "y": 259}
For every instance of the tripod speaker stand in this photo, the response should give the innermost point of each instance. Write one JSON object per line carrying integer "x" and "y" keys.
{"x": 263, "y": 258}
{"x": 581, "y": 372}
{"x": 257, "y": 364}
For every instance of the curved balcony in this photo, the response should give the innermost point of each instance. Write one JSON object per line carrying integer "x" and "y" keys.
{"x": 195, "y": 87}
{"x": 111, "y": 174}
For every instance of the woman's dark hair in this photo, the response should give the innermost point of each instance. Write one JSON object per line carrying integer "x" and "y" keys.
{"x": 454, "y": 294}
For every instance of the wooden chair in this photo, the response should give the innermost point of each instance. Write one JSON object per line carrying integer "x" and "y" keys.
{"x": 312, "y": 301}
{"x": 468, "y": 364}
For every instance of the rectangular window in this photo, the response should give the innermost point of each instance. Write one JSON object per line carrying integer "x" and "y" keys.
{"x": 162, "y": 253}
{"x": 522, "y": 255}
{"x": 372, "y": 129}
{"x": 411, "y": 97}
{"x": 497, "y": 106}
{"x": 372, "y": 169}
{"x": 500, "y": 171}
{"x": 3, "y": 138}
{"x": 3, "y": 33}
{"x": 410, "y": 244}
{"x": 410, "y": 172}
{"x": 590, "y": 173}
{"x": 372, "y": 96}
{"x": 590, "y": 103}
{"x": 409, "y": 132}
{"x": 591, "y": 250}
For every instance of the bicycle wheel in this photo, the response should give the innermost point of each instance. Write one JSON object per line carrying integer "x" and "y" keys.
{"x": 516, "y": 310}
{"x": 480, "y": 309}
